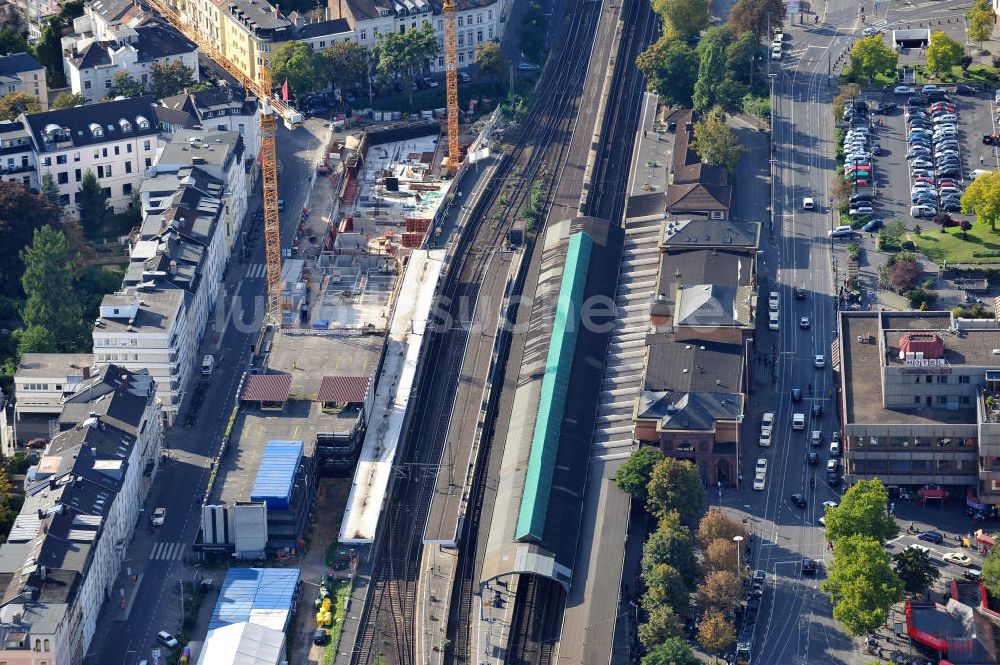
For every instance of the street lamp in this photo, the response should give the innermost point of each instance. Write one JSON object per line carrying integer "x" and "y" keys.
{"x": 739, "y": 566}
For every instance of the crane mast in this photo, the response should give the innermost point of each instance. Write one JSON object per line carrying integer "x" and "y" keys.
{"x": 451, "y": 82}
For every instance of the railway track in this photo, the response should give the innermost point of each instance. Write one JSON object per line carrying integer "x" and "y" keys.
{"x": 537, "y": 621}
{"x": 388, "y": 634}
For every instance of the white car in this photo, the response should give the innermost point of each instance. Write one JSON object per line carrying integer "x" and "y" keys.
{"x": 765, "y": 437}
{"x": 822, "y": 520}
{"x": 919, "y": 548}
{"x": 930, "y": 87}
{"x": 804, "y": 323}
{"x": 841, "y": 231}
{"x": 758, "y": 481}
{"x": 761, "y": 465}
{"x": 945, "y": 119}
{"x": 829, "y": 504}
{"x": 767, "y": 420}
{"x": 166, "y": 639}
{"x": 159, "y": 516}
{"x": 958, "y": 558}
{"x": 978, "y": 172}
{"x": 819, "y": 361}
{"x": 808, "y": 203}
{"x": 903, "y": 90}
{"x": 860, "y": 210}
{"x": 775, "y": 55}
{"x": 870, "y": 32}
{"x": 773, "y": 299}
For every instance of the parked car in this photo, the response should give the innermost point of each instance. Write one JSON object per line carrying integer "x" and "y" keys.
{"x": 528, "y": 67}
{"x": 37, "y": 443}
{"x": 962, "y": 89}
{"x": 159, "y": 517}
{"x": 872, "y": 226}
{"x": 464, "y": 77}
{"x": 819, "y": 361}
{"x": 167, "y": 640}
{"x": 798, "y": 500}
{"x": 841, "y": 231}
{"x": 857, "y": 198}
{"x": 808, "y": 567}
{"x": 812, "y": 458}
{"x": 860, "y": 211}
{"x": 920, "y": 161}
{"x": 759, "y": 481}
{"x": 958, "y": 558}
{"x": 430, "y": 83}
{"x": 884, "y": 108}
{"x": 922, "y": 211}
{"x": 931, "y": 537}
{"x": 903, "y": 90}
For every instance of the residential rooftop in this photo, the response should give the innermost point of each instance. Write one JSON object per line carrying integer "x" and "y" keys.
{"x": 53, "y": 365}
{"x": 93, "y": 124}
{"x": 157, "y": 310}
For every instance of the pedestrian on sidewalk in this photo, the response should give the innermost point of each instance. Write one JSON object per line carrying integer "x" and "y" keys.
{"x": 980, "y": 159}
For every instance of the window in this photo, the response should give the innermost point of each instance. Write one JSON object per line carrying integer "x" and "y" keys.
{"x": 64, "y": 199}
{"x": 322, "y": 44}
{"x": 62, "y": 178}
{"x": 107, "y": 192}
{"x": 107, "y": 84}
{"x": 46, "y": 645}
{"x": 916, "y": 399}
{"x": 86, "y": 85}
{"x": 942, "y": 379}
{"x": 60, "y": 159}
{"x": 146, "y": 145}
{"x": 717, "y": 214}
{"x": 928, "y": 378}
{"x": 117, "y": 150}
{"x": 127, "y": 189}
{"x": 128, "y": 167}
{"x": 77, "y": 175}
{"x": 149, "y": 162}
{"x": 142, "y": 122}
{"x": 76, "y": 197}
{"x": 461, "y": 57}
{"x": 47, "y": 161}
{"x": 942, "y": 399}
{"x": 38, "y": 645}
{"x": 128, "y": 148}
{"x": 963, "y": 379}
{"x": 965, "y": 399}
{"x": 479, "y": 36}
{"x": 76, "y": 156}
{"x": 460, "y": 21}
{"x": 104, "y": 152}
{"x": 479, "y": 18}
{"x": 364, "y": 35}
{"x": 100, "y": 170}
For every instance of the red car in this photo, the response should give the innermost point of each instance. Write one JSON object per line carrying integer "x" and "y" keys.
{"x": 37, "y": 443}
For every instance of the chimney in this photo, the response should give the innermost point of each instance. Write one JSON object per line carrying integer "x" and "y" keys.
{"x": 86, "y": 372}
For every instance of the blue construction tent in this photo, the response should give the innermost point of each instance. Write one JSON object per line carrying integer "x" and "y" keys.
{"x": 276, "y": 475}
{"x": 263, "y": 596}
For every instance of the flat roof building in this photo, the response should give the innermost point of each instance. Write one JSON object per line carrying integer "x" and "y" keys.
{"x": 43, "y": 380}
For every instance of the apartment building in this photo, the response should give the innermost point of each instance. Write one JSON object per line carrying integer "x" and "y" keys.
{"x": 43, "y": 380}
{"x": 919, "y": 394}
{"x": 699, "y": 349}
{"x": 220, "y": 109}
{"x": 17, "y": 157}
{"x": 20, "y": 72}
{"x": 321, "y": 35}
{"x": 81, "y": 506}
{"x": 116, "y": 140}
{"x": 91, "y": 63}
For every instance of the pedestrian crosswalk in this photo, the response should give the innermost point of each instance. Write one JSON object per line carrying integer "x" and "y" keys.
{"x": 256, "y": 270}
{"x": 167, "y": 551}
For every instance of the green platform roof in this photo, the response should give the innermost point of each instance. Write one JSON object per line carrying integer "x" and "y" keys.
{"x": 555, "y": 382}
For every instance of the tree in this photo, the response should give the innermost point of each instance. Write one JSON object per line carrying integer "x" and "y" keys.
{"x": 124, "y": 84}
{"x": 861, "y": 584}
{"x": 68, "y": 100}
{"x": 864, "y": 509}
{"x": 715, "y": 633}
{"x": 721, "y": 554}
{"x": 660, "y": 625}
{"x": 870, "y": 57}
{"x": 847, "y": 92}
{"x": 756, "y": 16}
{"x": 715, "y": 142}
{"x": 50, "y": 190}
{"x": 966, "y": 226}
{"x": 169, "y": 78}
{"x": 982, "y": 198}
{"x": 966, "y": 63}
{"x": 48, "y": 285}
{"x": 903, "y": 275}
{"x": 683, "y": 19}
{"x": 633, "y": 476}
{"x": 295, "y": 62}
{"x": 399, "y": 58}
{"x": 741, "y": 56}
{"x": 16, "y": 103}
{"x": 35, "y": 339}
{"x": 915, "y": 569}
{"x": 12, "y": 41}
{"x": 676, "y": 485}
{"x": 664, "y": 588}
{"x": 979, "y": 22}
{"x": 672, "y": 651}
{"x": 93, "y": 204}
{"x": 345, "y": 64}
{"x": 943, "y": 54}
{"x": 48, "y": 49}
{"x": 673, "y": 548}
{"x": 991, "y": 571}
{"x": 21, "y": 213}
{"x": 490, "y": 60}
{"x": 714, "y": 525}
{"x": 671, "y": 69}
{"x": 720, "y": 591}
{"x": 711, "y": 72}
{"x": 531, "y": 36}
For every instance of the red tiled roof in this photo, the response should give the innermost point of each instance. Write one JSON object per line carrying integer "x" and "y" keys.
{"x": 342, "y": 389}
{"x": 266, "y": 388}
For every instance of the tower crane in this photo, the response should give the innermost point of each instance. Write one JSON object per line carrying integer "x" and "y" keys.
{"x": 451, "y": 82}
{"x": 270, "y": 108}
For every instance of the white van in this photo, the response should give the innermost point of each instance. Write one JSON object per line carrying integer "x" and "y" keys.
{"x": 208, "y": 364}
{"x": 978, "y": 172}
{"x": 773, "y": 300}
{"x": 772, "y": 320}
{"x": 798, "y": 421}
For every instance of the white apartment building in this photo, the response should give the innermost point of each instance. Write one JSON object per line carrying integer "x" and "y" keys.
{"x": 82, "y": 504}
{"x": 116, "y": 140}
{"x": 91, "y": 64}
{"x": 17, "y": 157}
{"x": 147, "y": 328}
{"x": 43, "y": 380}
{"x": 220, "y": 109}
{"x": 20, "y": 72}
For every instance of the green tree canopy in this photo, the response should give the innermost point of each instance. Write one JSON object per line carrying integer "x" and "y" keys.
{"x": 676, "y": 485}
{"x": 48, "y": 285}
{"x": 399, "y": 58}
{"x": 982, "y": 198}
{"x": 672, "y": 651}
{"x": 531, "y": 36}
{"x": 671, "y": 69}
{"x": 861, "y": 584}
{"x": 674, "y": 548}
{"x": 715, "y": 142}
{"x": 683, "y": 19}
{"x": 711, "y": 71}
{"x": 720, "y": 591}
{"x": 170, "y": 78}
{"x": 346, "y": 64}
{"x": 50, "y": 190}
{"x": 979, "y": 21}
{"x": 124, "y": 84}
{"x": 12, "y": 41}
{"x": 93, "y": 204}
{"x": 295, "y": 62}
{"x": 68, "y": 100}
{"x": 490, "y": 60}
{"x": 16, "y": 103}
{"x": 943, "y": 53}
{"x": 661, "y": 624}
{"x": 35, "y": 339}
{"x": 756, "y": 16}
{"x": 870, "y": 57}
{"x": 741, "y": 56}
{"x": 48, "y": 51}
{"x": 915, "y": 568}
{"x": 633, "y": 476}
{"x": 864, "y": 509}
{"x": 665, "y": 587}
{"x": 715, "y": 525}
{"x": 991, "y": 570}
{"x": 21, "y": 213}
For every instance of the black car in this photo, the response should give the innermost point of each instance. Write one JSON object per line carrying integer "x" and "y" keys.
{"x": 938, "y": 96}
{"x": 882, "y": 109}
{"x": 799, "y": 500}
{"x": 800, "y": 293}
{"x": 855, "y": 198}
{"x": 321, "y": 637}
{"x": 949, "y": 205}
{"x": 991, "y": 139}
{"x": 962, "y": 89}
{"x": 812, "y": 459}
{"x": 796, "y": 394}
{"x": 817, "y": 408}
{"x": 808, "y": 567}
{"x": 916, "y": 101}
{"x": 931, "y": 537}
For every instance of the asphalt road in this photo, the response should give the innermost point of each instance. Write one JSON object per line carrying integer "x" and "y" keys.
{"x": 157, "y": 555}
